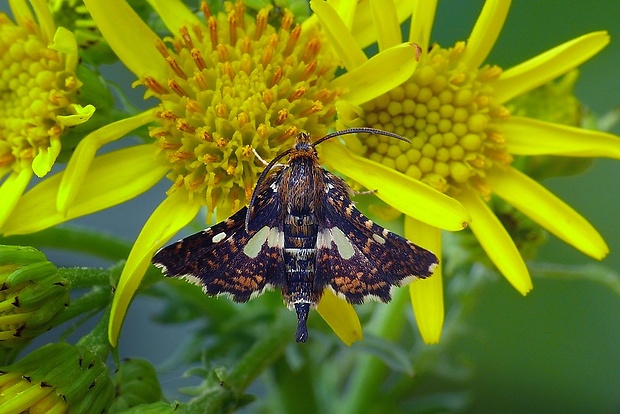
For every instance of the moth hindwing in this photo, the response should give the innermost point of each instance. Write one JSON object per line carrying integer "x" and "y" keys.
{"x": 300, "y": 234}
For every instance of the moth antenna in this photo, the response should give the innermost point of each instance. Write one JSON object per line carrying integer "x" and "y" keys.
{"x": 360, "y": 130}
{"x": 259, "y": 158}
{"x": 261, "y": 178}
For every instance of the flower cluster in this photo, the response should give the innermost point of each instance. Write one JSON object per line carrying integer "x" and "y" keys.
{"x": 226, "y": 90}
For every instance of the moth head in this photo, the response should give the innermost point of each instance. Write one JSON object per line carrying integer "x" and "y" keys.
{"x": 303, "y": 145}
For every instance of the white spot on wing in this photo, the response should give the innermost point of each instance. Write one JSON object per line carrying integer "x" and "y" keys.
{"x": 378, "y": 238}
{"x": 218, "y": 237}
{"x": 345, "y": 248}
{"x": 275, "y": 238}
{"x": 254, "y": 245}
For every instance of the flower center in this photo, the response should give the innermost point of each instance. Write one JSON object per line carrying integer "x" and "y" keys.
{"x": 238, "y": 87}
{"x": 37, "y": 89}
{"x": 448, "y": 112}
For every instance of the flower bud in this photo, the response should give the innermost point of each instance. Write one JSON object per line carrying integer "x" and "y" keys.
{"x": 136, "y": 384}
{"x": 56, "y": 378}
{"x": 32, "y": 294}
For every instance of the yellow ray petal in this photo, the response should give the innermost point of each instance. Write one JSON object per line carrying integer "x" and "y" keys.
{"x": 422, "y": 18}
{"x": 485, "y": 32}
{"x": 65, "y": 42}
{"x": 496, "y": 242}
{"x": 44, "y": 18}
{"x": 547, "y": 210}
{"x": 80, "y": 114}
{"x": 527, "y": 136}
{"x": 10, "y": 192}
{"x": 112, "y": 179}
{"x": 427, "y": 294}
{"x": 84, "y": 153}
{"x": 339, "y": 36}
{"x": 174, "y": 14}
{"x": 386, "y": 23}
{"x": 363, "y": 29}
{"x": 548, "y": 65}
{"x": 167, "y": 219}
{"x": 358, "y": 16}
{"x": 21, "y": 12}
{"x": 382, "y": 73}
{"x": 45, "y": 159}
{"x": 405, "y": 194}
{"x": 341, "y": 317}
{"x": 123, "y": 29}
{"x": 346, "y": 10}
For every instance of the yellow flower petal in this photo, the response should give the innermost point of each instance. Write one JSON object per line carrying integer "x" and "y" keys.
{"x": 527, "y": 136}
{"x": 123, "y": 29}
{"x": 65, "y": 42}
{"x": 496, "y": 242}
{"x": 44, "y": 19}
{"x": 10, "y": 192}
{"x": 379, "y": 74}
{"x": 21, "y": 11}
{"x": 548, "y": 65}
{"x": 167, "y": 219}
{"x": 80, "y": 161}
{"x": 357, "y": 15}
{"x": 422, "y": 19}
{"x": 485, "y": 32}
{"x": 81, "y": 115}
{"x": 174, "y": 14}
{"x": 363, "y": 29}
{"x": 339, "y": 36}
{"x": 386, "y": 23}
{"x": 405, "y": 194}
{"x": 341, "y": 317}
{"x": 346, "y": 10}
{"x": 112, "y": 179}
{"x": 44, "y": 160}
{"x": 547, "y": 210}
{"x": 427, "y": 294}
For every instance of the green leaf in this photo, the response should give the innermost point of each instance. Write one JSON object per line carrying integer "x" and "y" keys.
{"x": 392, "y": 353}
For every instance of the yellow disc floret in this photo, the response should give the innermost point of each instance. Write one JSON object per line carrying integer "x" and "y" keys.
{"x": 238, "y": 87}
{"x": 448, "y": 112}
{"x": 38, "y": 91}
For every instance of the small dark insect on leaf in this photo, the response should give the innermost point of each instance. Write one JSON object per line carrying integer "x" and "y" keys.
{"x": 301, "y": 234}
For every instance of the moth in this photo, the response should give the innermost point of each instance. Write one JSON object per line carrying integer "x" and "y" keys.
{"x": 302, "y": 234}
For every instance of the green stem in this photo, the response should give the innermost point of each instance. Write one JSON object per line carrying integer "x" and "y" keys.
{"x": 387, "y": 322}
{"x": 90, "y": 302}
{"x": 76, "y": 239}
{"x": 259, "y": 357}
{"x": 80, "y": 277}
{"x": 97, "y": 340}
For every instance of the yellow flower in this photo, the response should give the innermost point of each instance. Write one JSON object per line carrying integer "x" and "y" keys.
{"x": 227, "y": 89}
{"x": 38, "y": 91}
{"x": 464, "y": 138}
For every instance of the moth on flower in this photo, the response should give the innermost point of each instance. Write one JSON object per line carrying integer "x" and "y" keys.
{"x": 302, "y": 234}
